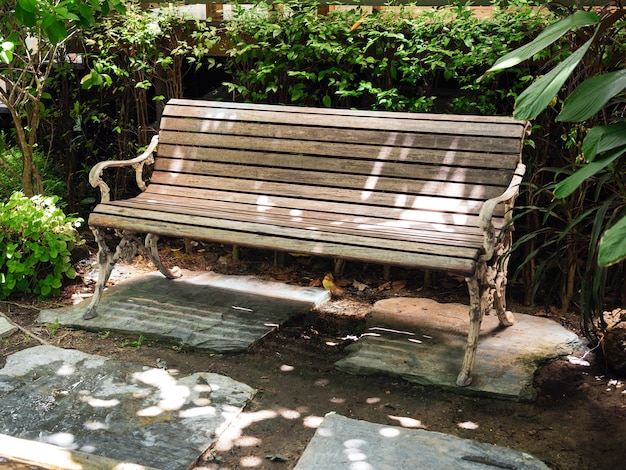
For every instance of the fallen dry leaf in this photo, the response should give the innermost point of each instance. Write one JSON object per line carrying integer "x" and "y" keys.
{"x": 398, "y": 285}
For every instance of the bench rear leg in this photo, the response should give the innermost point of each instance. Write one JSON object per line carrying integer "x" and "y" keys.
{"x": 505, "y": 316}
{"x": 153, "y": 253}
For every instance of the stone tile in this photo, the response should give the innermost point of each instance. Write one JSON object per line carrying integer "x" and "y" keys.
{"x": 45, "y": 456}
{"x": 115, "y": 409}
{"x": 344, "y": 443}
{"x": 6, "y": 328}
{"x": 200, "y": 310}
{"x": 423, "y": 341}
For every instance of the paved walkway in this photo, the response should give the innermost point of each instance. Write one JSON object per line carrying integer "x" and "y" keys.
{"x": 126, "y": 412}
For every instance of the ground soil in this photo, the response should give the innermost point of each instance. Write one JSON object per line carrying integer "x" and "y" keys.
{"x": 578, "y": 420}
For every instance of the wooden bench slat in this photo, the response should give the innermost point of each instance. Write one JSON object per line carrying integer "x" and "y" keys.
{"x": 364, "y": 249}
{"x": 360, "y": 188}
{"x": 380, "y": 120}
{"x": 193, "y": 132}
{"x": 333, "y": 113}
{"x": 210, "y": 199}
{"x": 390, "y": 229}
{"x": 231, "y": 146}
{"x": 294, "y": 230}
{"x": 372, "y": 198}
{"x": 348, "y": 167}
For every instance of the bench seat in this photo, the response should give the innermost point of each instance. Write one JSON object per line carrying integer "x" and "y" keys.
{"x": 416, "y": 190}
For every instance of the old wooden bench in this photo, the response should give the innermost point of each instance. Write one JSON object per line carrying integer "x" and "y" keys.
{"x": 416, "y": 190}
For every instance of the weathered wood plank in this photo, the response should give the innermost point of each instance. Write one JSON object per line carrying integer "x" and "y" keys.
{"x": 331, "y": 248}
{"x": 193, "y": 132}
{"x": 357, "y": 187}
{"x": 274, "y": 226}
{"x": 394, "y": 121}
{"x": 335, "y": 165}
{"x": 228, "y": 148}
{"x": 213, "y": 199}
{"x": 389, "y": 229}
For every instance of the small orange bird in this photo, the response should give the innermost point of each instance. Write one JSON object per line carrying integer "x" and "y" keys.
{"x": 329, "y": 284}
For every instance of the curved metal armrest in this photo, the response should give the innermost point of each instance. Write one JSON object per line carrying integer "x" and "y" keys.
{"x": 486, "y": 211}
{"x": 137, "y": 163}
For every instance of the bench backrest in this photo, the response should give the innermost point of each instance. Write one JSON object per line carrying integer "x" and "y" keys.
{"x": 399, "y": 165}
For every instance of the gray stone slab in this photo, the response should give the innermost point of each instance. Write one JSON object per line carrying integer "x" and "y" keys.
{"x": 45, "y": 456}
{"x": 200, "y": 310}
{"x": 344, "y": 443}
{"x": 423, "y": 342}
{"x": 115, "y": 409}
{"x": 6, "y": 328}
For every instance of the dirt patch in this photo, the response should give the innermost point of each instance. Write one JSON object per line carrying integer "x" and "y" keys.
{"x": 577, "y": 421}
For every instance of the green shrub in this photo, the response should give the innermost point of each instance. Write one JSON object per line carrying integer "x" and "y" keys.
{"x": 36, "y": 239}
{"x": 398, "y": 60}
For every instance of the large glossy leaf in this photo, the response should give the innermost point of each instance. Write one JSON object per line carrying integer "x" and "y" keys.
{"x": 612, "y": 247}
{"x": 55, "y": 30}
{"x": 569, "y": 184}
{"x": 86, "y": 14}
{"x": 28, "y": 5}
{"x": 544, "y": 39}
{"x": 539, "y": 95}
{"x": 24, "y": 17}
{"x": 591, "y": 95}
{"x": 602, "y": 139}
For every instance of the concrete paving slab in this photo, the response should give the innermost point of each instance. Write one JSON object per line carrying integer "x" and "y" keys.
{"x": 115, "y": 409}
{"x": 423, "y": 342}
{"x": 45, "y": 456}
{"x": 344, "y": 443}
{"x": 6, "y": 328}
{"x": 200, "y": 310}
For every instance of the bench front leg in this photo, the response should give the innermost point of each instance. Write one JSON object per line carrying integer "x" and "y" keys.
{"x": 475, "y": 319}
{"x": 106, "y": 262}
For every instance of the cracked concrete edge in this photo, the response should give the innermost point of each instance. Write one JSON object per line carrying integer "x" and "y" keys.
{"x": 51, "y": 457}
{"x": 6, "y": 328}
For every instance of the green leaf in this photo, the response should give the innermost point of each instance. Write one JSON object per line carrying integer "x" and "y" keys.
{"x": 612, "y": 247}
{"x": 591, "y": 96}
{"x": 92, "y": 79}
{"x": 56, "y": 31}
{"x": 6, "y": 55}
{"x": 544, "y": 39}
{"x": 28, "y": 5}
{"x": 24, "y": 17}
{"x": 572, "y": 182}
{"x": 602, "y": 139}
{"x": 539, "y": 95}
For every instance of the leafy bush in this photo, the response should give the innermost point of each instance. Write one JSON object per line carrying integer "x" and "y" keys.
{"x": 395, "y": 60}
{"x": 36, "y": 239}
